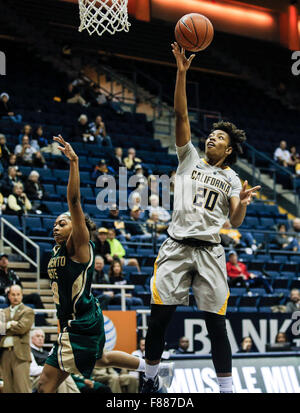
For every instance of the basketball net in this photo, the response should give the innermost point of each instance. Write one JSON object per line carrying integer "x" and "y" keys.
{"x": 103, "y": 15}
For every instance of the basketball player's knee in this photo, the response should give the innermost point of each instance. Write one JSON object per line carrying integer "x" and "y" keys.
{"x": 216, "y": 325}
{"x": 104, "y": 361}
{"x": 42, "y": 386}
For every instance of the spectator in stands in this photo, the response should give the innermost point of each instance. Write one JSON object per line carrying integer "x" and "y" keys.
{"x": 4, "y": 153}
{"x": 163, "y": 214}
{"x": 6, "y": 111}
{"x": 72, "y": 95}
{"x": 8, "y": 277}
{"x": 117, "y": 250}
{"x": 15, "y": 357}
{"x": 81, "y": 132}
{"x": 139, "y": 172}
{"x": 294, "y": 156}
{"x": 281, "y": 337}
{"x": 155, "y": 224}
{"x": 183, "y": 345}
{"x": 137, "y": 228}
{"x": 26, "y": 131}
{"x": 36, "y": 192}
{"x": 282, "y": 154}
{"x": 38, "y": 358}
{"x": 102, "y": 246}
{"x": 231, "y": 237}
{"x": 94, "y": 96}
{"x": 98, "y": 130}
{"x": 116, "y": 161}
{"x": 285, "y": 241}
{"x": 101, "y": 277}
{"x": 239, "y": 275}
{"x": 294, "y": 303}
{"x": 131, "y": 160}
{"x": 134, "y": 200}
{"x": 12, "y": 161}
{"x": 18, "y": 202}
{"x": 39, "y": 140}
{"x": 10, "y": 180}
{"x": 246, "y": 345}
{"x": 116, "y": 276}
{"x": 101, "y": 169}
{"x": 118, "y": 223}
{"x": 28, "y": 155}
{"x": 2, "y": 204}
{"x": 140, "y": 352}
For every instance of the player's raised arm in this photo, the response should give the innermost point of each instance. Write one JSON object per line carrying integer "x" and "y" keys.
{"x": 78, "y": 242}
{"x": 183, "y": 130}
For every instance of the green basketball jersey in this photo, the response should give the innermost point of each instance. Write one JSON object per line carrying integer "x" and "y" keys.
{"x": 77, "y": 308}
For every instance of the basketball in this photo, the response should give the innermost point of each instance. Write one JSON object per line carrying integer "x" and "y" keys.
{"x": 194, "y": 32}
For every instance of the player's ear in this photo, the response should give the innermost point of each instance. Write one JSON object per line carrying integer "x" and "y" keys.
{"x": 228, "y": 150}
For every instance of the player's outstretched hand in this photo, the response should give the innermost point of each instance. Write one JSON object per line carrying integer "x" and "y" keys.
{"x": 247, "y": 194}
{"x": 183, "y": 63}
{"x": 66, "y": 148}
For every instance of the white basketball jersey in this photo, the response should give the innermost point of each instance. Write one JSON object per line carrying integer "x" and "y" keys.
{"x": 201, "y": 196}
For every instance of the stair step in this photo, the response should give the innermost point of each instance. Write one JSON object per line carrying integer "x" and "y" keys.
{"x": 47, "y": 299}
{"x": 52, "y": 321}
{"x": 17, "y": 264}
{"x": 49, "y": 306}
{"x": 44, "y": 284}
{"x": 53, "y": 337}
{"x": 31, "y": 275}
{"x": 49, "y": 329}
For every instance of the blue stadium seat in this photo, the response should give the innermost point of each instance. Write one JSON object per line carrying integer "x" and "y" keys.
{"x": 289, "y": 267}
{"x": 48, "y": 223}
{"x": 92, "y": 210}
{"x": 87, "y": 192}
{"x": 295, "y": 283}
{"x": 61, "y": 190}
{"x": 61, "y": 175}
{"x": 280, "y": 258}
{"x": 258, "y": 291}
{"x": 268, "y": 300}
{"x": 3, "y": 305}
{"x": 264, "y": 310}
{"x": 55, "y": 208}
{"x": 237, "y": 291}
{"x": 247, "y": 310}
{"x": 248, "y": 301}
{"x": 267, "y": 222}
{"x": 233, "y": 300}
{"x": 14, "y": 220}
{"x": 232, "y": 310}
{"x": 282, "y": 282}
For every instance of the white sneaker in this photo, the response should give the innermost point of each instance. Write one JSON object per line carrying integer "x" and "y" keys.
{"x": 166, "y": 372}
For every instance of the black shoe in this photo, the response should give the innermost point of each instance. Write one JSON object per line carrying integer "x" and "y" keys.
{"x": 152, "y": 386}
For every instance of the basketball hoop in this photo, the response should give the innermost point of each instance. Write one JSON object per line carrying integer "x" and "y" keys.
{"x": 103, "y": 15}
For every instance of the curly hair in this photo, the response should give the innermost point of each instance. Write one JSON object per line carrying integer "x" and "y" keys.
{"x": 237, "y": 137}
{"x": 91, "y": 226}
